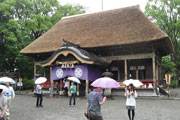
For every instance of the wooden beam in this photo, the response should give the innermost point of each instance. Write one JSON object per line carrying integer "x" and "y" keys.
{"x": 129, "y": 57}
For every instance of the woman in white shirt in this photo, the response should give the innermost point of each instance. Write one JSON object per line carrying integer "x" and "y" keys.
{"x": 66, "y": 86}
{"x": 131, "y": 94}
{"x": 39, "y": 95}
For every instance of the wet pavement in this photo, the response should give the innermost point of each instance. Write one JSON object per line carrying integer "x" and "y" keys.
{"x": 56, "y": 108}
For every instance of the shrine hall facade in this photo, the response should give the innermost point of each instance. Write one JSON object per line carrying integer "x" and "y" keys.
{"x": 123, "y": 40}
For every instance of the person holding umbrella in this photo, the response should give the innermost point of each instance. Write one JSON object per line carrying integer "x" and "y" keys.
{"x": 39, "y": 87}
{"x": 3, "y": 103}
{"x": 39, "y": 95}
{"x": 94, "y": 102}
{"x": 95, "y": 99}
{"x": 73, "y": 89}
{"x": 73, "y": 92}
{"x": 9, "y": 95}
{"x": 131, "y": 94}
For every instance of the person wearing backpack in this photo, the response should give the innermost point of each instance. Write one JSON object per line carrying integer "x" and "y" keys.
{"x": 94, "y": 102}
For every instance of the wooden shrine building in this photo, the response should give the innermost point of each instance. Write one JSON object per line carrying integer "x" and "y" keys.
{"x": 123, "y": 40}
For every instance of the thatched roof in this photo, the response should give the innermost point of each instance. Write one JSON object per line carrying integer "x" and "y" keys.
{"x": 107, "y": 28}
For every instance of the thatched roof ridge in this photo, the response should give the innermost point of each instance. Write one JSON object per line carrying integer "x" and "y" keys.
{"x": 107, "y": 28}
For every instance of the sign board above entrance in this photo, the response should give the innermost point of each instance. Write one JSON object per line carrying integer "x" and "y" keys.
{"x": 83, "y": 72}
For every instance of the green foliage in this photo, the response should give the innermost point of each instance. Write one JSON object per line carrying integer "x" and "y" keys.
{"x": 40, "y": 70}
{"x": 28, "y": 84}
{"x": 25, "y": 66}
{"x": 174, "y": 83}
{"x": 168, "y": 66}
{"x": 23, "y": 21}
{"x": 165, "y": 14}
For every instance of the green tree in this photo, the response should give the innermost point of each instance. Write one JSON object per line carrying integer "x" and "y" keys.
{"x": 168, "y": 66}
{"x": 23, "y": 21}
{"x": 165, "y": 14}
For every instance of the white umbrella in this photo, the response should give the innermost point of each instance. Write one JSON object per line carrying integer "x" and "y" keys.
{"x": 3, "y": 87}
{"x": 40, "y": 80}
{"x": 135, "y": 83}
{"x": 74, "y": 79}
{"x": 4, "y": 80}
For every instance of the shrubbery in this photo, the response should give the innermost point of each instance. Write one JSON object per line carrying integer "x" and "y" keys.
{"x": 174, "y": 83}
{"x": 28, "y": 84}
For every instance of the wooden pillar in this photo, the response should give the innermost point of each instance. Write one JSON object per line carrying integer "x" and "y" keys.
{"x": 69, "y": 88}
{"x": 34, "y": 71}
{"x": 61, "y": 87}
{"x": 87, "y": 87}
{"x": 34, "y": 75}
{"x": 52, "y": 82}
{"x": 77, "y": 89}
{"x": 119, "y": 75}
{"x": 44, "y": 73}
{"x": 160, "y": 74}
{"x": 154, "y": 69}
{"x": 125, "y": 69}
{"x": 157, "y": 75}
{"x": 137, "y": 74}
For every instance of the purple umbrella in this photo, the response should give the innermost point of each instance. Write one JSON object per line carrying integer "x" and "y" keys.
{"x": 105, "y": 82}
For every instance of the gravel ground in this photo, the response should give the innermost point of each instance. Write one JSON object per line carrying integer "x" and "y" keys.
{"x": 23, "y": 108}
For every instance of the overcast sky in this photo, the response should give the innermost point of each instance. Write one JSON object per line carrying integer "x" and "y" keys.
{"x": 96, "y": 5}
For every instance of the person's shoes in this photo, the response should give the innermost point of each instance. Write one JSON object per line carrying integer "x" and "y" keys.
{"x": 37, "y": 106}
{"x": 7, "y": 113}
{"x": 41, "y": 105}
{"x": 86, "y": 115}
{"x": 73, "y": 105}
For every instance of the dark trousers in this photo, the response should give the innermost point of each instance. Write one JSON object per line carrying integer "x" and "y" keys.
{"x": 1, "y": 118}
{"x": 66, "y": 91}
{"x": 93, "y": 116}
{"x": 73, "y": 95}
{"x": 96, "y": 118}
{"x": 39, "y": 98}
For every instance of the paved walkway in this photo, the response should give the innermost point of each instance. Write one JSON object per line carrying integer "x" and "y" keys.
{"x": 176, "y": 92}
{"x": 23, "y": 108}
